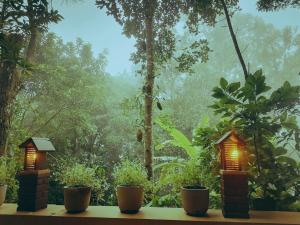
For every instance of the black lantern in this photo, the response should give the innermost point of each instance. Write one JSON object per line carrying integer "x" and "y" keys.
{"x": 33, "y": 190}
{"x": 234, "y": 178}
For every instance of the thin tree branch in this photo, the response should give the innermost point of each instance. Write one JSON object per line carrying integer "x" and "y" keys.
{"x": 235, "y": 42}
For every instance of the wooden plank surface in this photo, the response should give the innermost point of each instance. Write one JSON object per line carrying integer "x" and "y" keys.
{"x": 110, "y": 215}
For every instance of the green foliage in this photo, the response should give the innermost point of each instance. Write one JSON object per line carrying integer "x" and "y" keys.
{"x": 191, "y": 55}
{"x": 190, "y": 174}
{"x": 21, "y": 16}
{"x": 130, "y": 173}
{"x": 193, "y": 173}
{"x": 8, "y": 169}
{"x": 19, "y": 20}
{"x": 82, "y": 175}
{"x": 68, "y": 95}
{"x": 168, "y": 200}
{"x": 70, "y": 92}
{"x": 268, "y": 122}
{"x": 166, "y": 15}
{"x": 3, "y": 171}
{"x": 200, "y": 168}
{"x": 178, "y": 138}
{"x": 273, "y": 5}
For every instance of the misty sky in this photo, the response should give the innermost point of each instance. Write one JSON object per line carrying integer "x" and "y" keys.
{"x": 84, "y": 20}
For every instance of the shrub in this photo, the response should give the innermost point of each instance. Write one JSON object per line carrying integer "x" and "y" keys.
{"x": 82, "y": 175}
{"x": 191, "y": 174}
{"x": 7, "y": 177}
{"x": 188, "y": 173}
{"x": 130, "y": 173}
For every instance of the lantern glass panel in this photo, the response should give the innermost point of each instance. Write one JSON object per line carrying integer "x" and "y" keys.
{"x": 232, "y": 156}
{"x": 30, "y": 158}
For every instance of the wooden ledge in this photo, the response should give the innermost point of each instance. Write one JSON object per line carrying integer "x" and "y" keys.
{"x": 110, "y": 215}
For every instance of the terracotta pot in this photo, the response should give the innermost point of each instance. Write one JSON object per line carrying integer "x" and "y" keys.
{"x": 264, "y": 204}
{"x": 77, "y": 198}
{"x": 195, "y": 200}
{"x": 130, "y": 198}
{"x": 3, "y": 189}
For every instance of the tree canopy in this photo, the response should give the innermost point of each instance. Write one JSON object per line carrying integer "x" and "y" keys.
{"x": 273, "y": 5}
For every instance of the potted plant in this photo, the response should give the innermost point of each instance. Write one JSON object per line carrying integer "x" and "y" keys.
{"x": 195, "y": 197}
{"x": 131, "y": 180}
{"x": 79, "y": 181}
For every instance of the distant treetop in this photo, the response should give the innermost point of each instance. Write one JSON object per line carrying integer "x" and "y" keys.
{"x": 273, "y": 5}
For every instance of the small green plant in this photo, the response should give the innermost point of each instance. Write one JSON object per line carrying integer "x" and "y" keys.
{"x": 78, "y": 175}
{"x": 3, "y": 171}
{"x": 257, "y": 193}
{"x": 189, "y": 174}
{"x": 7, "y": 170}
{"x": 130, "y": 173}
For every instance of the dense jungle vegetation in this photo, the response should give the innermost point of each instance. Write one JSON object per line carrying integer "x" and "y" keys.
{"x": 186, "y": 90}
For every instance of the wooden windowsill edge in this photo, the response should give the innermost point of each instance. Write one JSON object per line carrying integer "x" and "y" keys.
{"x": 110, "y": 215}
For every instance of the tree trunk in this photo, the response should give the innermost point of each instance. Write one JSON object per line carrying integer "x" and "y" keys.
{"x": 33, "y": 32}
{"x": 5, "y": 87}
{"x": 31, "y": 45}
{"x": 149, "y": 93}
{"x": 10, "y": 78}
{"x": 9, "y": 81}
{"x": 234, "y": 40}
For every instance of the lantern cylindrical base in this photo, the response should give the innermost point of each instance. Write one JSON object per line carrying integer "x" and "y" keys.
{"x": 234, "y": 190}
{"x": 33, "y": 190}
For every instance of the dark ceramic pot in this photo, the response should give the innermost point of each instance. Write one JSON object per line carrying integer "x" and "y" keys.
{"x": 77, "y": 198}
{"x": 130, "y": 198}
{"x": 195, "y": 200}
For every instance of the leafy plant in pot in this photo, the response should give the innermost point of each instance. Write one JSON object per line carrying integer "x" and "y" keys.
{"x": 80, "y": 180}
{"x": 195, "y": 197}
{"x": 131, "y": 180}
{"x": 7, "y": 174}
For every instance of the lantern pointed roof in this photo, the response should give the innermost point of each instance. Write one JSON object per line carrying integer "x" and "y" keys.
{"x": 232, "y": 136}
{"x": 41, "y": 144}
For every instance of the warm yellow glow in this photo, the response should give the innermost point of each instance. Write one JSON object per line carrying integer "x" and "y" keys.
{"x": 234, "y": 154}
{"x": 30, "y": 158}
{"x": 34, "y": 156}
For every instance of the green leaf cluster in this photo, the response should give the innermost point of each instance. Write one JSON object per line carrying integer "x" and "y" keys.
{"x": 130, "y": 173}
{"x": 79, "y": 174}
{"x": 7, "y": 170}
{"x": 189, "y": 174}
{"x": 178, "y": 138}
{"x": 267, "y": 120}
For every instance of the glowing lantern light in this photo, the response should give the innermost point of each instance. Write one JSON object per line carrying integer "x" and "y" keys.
{"x": 30, "y": 157}
{"x": 234, "y": 180}
{"x": 232, "y": 150}
{"x": 33, "y": 191}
